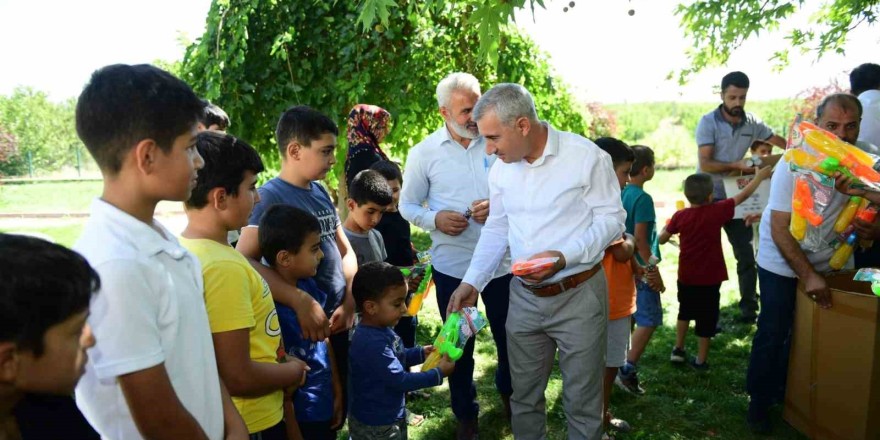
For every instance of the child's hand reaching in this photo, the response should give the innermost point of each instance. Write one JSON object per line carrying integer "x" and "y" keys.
{"x": 299, "y": 369}
{"x": 764, "y": 173}
{"x": 446, "y": 365}
{"x": 428, "y": 350}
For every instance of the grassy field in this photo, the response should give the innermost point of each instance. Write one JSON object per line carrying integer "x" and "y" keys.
{"x": 679, "y": 404}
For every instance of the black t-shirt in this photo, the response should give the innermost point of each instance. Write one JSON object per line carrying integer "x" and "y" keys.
{"x": 41, "y": 417}
{"x": 396, "y": 234}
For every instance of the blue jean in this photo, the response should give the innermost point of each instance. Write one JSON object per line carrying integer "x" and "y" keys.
{"x": 463, "y": 392}
{"x": 768, "y": 364}
{"x": 740, "y": 237}
{"x": 649, "y": 310}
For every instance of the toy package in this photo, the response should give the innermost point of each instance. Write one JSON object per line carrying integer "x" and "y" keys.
{"x": 872, "y": 275}
{"x": 423, "y": 272}
{"x": 460, "y": 326}
{"x": 521, "y": 268}
{"x": 815, "y": 156}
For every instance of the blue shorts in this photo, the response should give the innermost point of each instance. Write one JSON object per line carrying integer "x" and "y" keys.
{"x": 649, "y": 312}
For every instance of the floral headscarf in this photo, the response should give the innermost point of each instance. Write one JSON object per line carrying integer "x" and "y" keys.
{"x": 366, "y": 123}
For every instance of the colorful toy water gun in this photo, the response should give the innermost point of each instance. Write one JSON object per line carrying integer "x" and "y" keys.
{"x": 802, "y": 210}
{"x": 827, "y": 166}
{"x": 521, "y": 268}
{"x": 841, "y": 255}
{"x": 871, "y": 275}
{"x": 869, "y": 215}
{"x": 846, "y": 216}
{"x": 445, "y": 343}
{"x": 859, "y": 163}
{"x": 425, "y": 269}
{"x": 459, "y": 327}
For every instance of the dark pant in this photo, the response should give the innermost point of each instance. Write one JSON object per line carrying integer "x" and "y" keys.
{"x": 700, "y": 304}
{"x": 316, "y": 430}
{"x": 406, "y": 329}
{"x": 463, "y": 392}
{"x": 340, "y": 344}
{"x": 277, "y": 432}
{"x": 768, "y": 364}
{"x": 740, "y": 237}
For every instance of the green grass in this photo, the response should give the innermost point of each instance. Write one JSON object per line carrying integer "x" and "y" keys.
{"x": 63, "y": 233}
{"x": 48, "y": 197}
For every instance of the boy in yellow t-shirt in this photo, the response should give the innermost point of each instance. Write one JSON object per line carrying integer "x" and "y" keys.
{"x": 241, "y": 312}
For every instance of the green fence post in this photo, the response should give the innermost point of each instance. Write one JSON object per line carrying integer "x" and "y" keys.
{"x": 30, "y": 161}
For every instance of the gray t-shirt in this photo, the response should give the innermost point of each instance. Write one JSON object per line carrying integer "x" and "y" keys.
{"x": 731, "y": 142}
{"x": 367, "y": 247}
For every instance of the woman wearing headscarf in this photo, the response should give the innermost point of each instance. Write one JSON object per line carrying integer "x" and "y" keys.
{"x": 367, "y": 127}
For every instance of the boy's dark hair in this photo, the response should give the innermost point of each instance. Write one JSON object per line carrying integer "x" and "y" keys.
{"x": 43, "y": 285}
{"x": 123, "y": 105}
{"x": 644, "y": 157}
{"x": 620, "y": 152}
{"x": 736, "y": 79}
{"x": 388, "y": 169}
{"x": 698, "y": 188}
{"x": 284, "y": 228}
{"x": 303, "y": 124}
{"x": 863, "y": 78}
{"x": 226, "y": 160}
{"x": 370, "y": 186}
{"x": 372, "y": 280}
{"x": 214, "y": 115}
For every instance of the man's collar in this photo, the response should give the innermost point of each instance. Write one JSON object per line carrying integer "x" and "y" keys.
{"x": 551, "y": 148}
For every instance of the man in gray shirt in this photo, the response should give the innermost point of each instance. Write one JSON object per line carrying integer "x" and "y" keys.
{"x": 724, "y": 135}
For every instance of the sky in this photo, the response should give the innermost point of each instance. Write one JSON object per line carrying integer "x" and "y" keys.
{"x": 601, "y": 52}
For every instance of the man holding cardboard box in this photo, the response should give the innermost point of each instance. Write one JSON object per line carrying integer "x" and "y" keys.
{"x": 782, "y": 262}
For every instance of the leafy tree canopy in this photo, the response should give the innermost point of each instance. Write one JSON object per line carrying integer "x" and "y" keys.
{"x": 717, "y": 27}
{"x": 257, "y": 58}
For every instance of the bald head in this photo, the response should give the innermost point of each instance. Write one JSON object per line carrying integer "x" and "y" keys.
{"x": 840, "y": 114}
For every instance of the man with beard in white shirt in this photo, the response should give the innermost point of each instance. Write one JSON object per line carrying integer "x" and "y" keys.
{"x": 446, "y": 192}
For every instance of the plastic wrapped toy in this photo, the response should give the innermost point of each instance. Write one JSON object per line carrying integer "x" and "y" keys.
{"x": 521, "y": 268}
{"x": 460, "y": 326}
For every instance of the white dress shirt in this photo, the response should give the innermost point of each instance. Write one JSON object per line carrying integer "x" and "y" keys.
{"x": 447, "y": 176}
{"x": 567, "y": 200}
{"x": 870, "y": 125}
{"x": 150, "y": 310}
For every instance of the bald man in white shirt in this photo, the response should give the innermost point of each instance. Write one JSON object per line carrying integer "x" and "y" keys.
{"x": 553, "y": 194}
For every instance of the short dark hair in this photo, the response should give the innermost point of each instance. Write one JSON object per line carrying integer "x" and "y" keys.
{"x": 214, "y": 115}
{"x": 863, "y": 78}
{"x": 284, "y": 228}
{"x": 372, "y": 280}
{"x": 844, "y": 100}
{"x": 698, "y": 187}
{"x": 123, "y": 105}
{"x": 303, "y": 124}
{"x": 618, "y": 150}
{"x": 736, "y": 79}
{"x": 43, "y": 285}
{"x": 644, "y": 157}
{"x": 370, "y": 186}
{"x": 226, "y": 160}
{"x": 388, "y": 169}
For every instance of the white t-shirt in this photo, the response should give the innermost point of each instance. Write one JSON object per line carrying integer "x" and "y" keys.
{"x": 781, "y": 191}
{"x": 869, "y": 130}
{"x": 150, "y": 310}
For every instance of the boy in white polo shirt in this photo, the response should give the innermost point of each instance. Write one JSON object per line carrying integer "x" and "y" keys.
{"x": 152, "y": 373}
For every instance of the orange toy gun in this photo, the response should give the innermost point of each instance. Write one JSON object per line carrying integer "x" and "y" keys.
{"x": 802, "y": 210}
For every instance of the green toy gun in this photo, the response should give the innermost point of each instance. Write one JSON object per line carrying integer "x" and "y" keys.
{"x": 459, "y": 327}
{"x": 425, "y": 269}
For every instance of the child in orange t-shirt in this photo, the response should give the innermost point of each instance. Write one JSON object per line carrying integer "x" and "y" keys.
{"x": 619, "y": 265}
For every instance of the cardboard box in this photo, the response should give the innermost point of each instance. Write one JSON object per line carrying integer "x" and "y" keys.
{"x": 833, "y": 388}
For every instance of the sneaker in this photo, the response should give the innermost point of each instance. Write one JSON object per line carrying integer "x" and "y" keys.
{"x": 629, "y": 383}
{"x": 699, "y": 367}
{"x": 678, "y": 356}
{"x": 619, "y": 425}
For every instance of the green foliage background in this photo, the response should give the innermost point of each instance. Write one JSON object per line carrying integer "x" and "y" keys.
{"x": 257, "y": 58}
